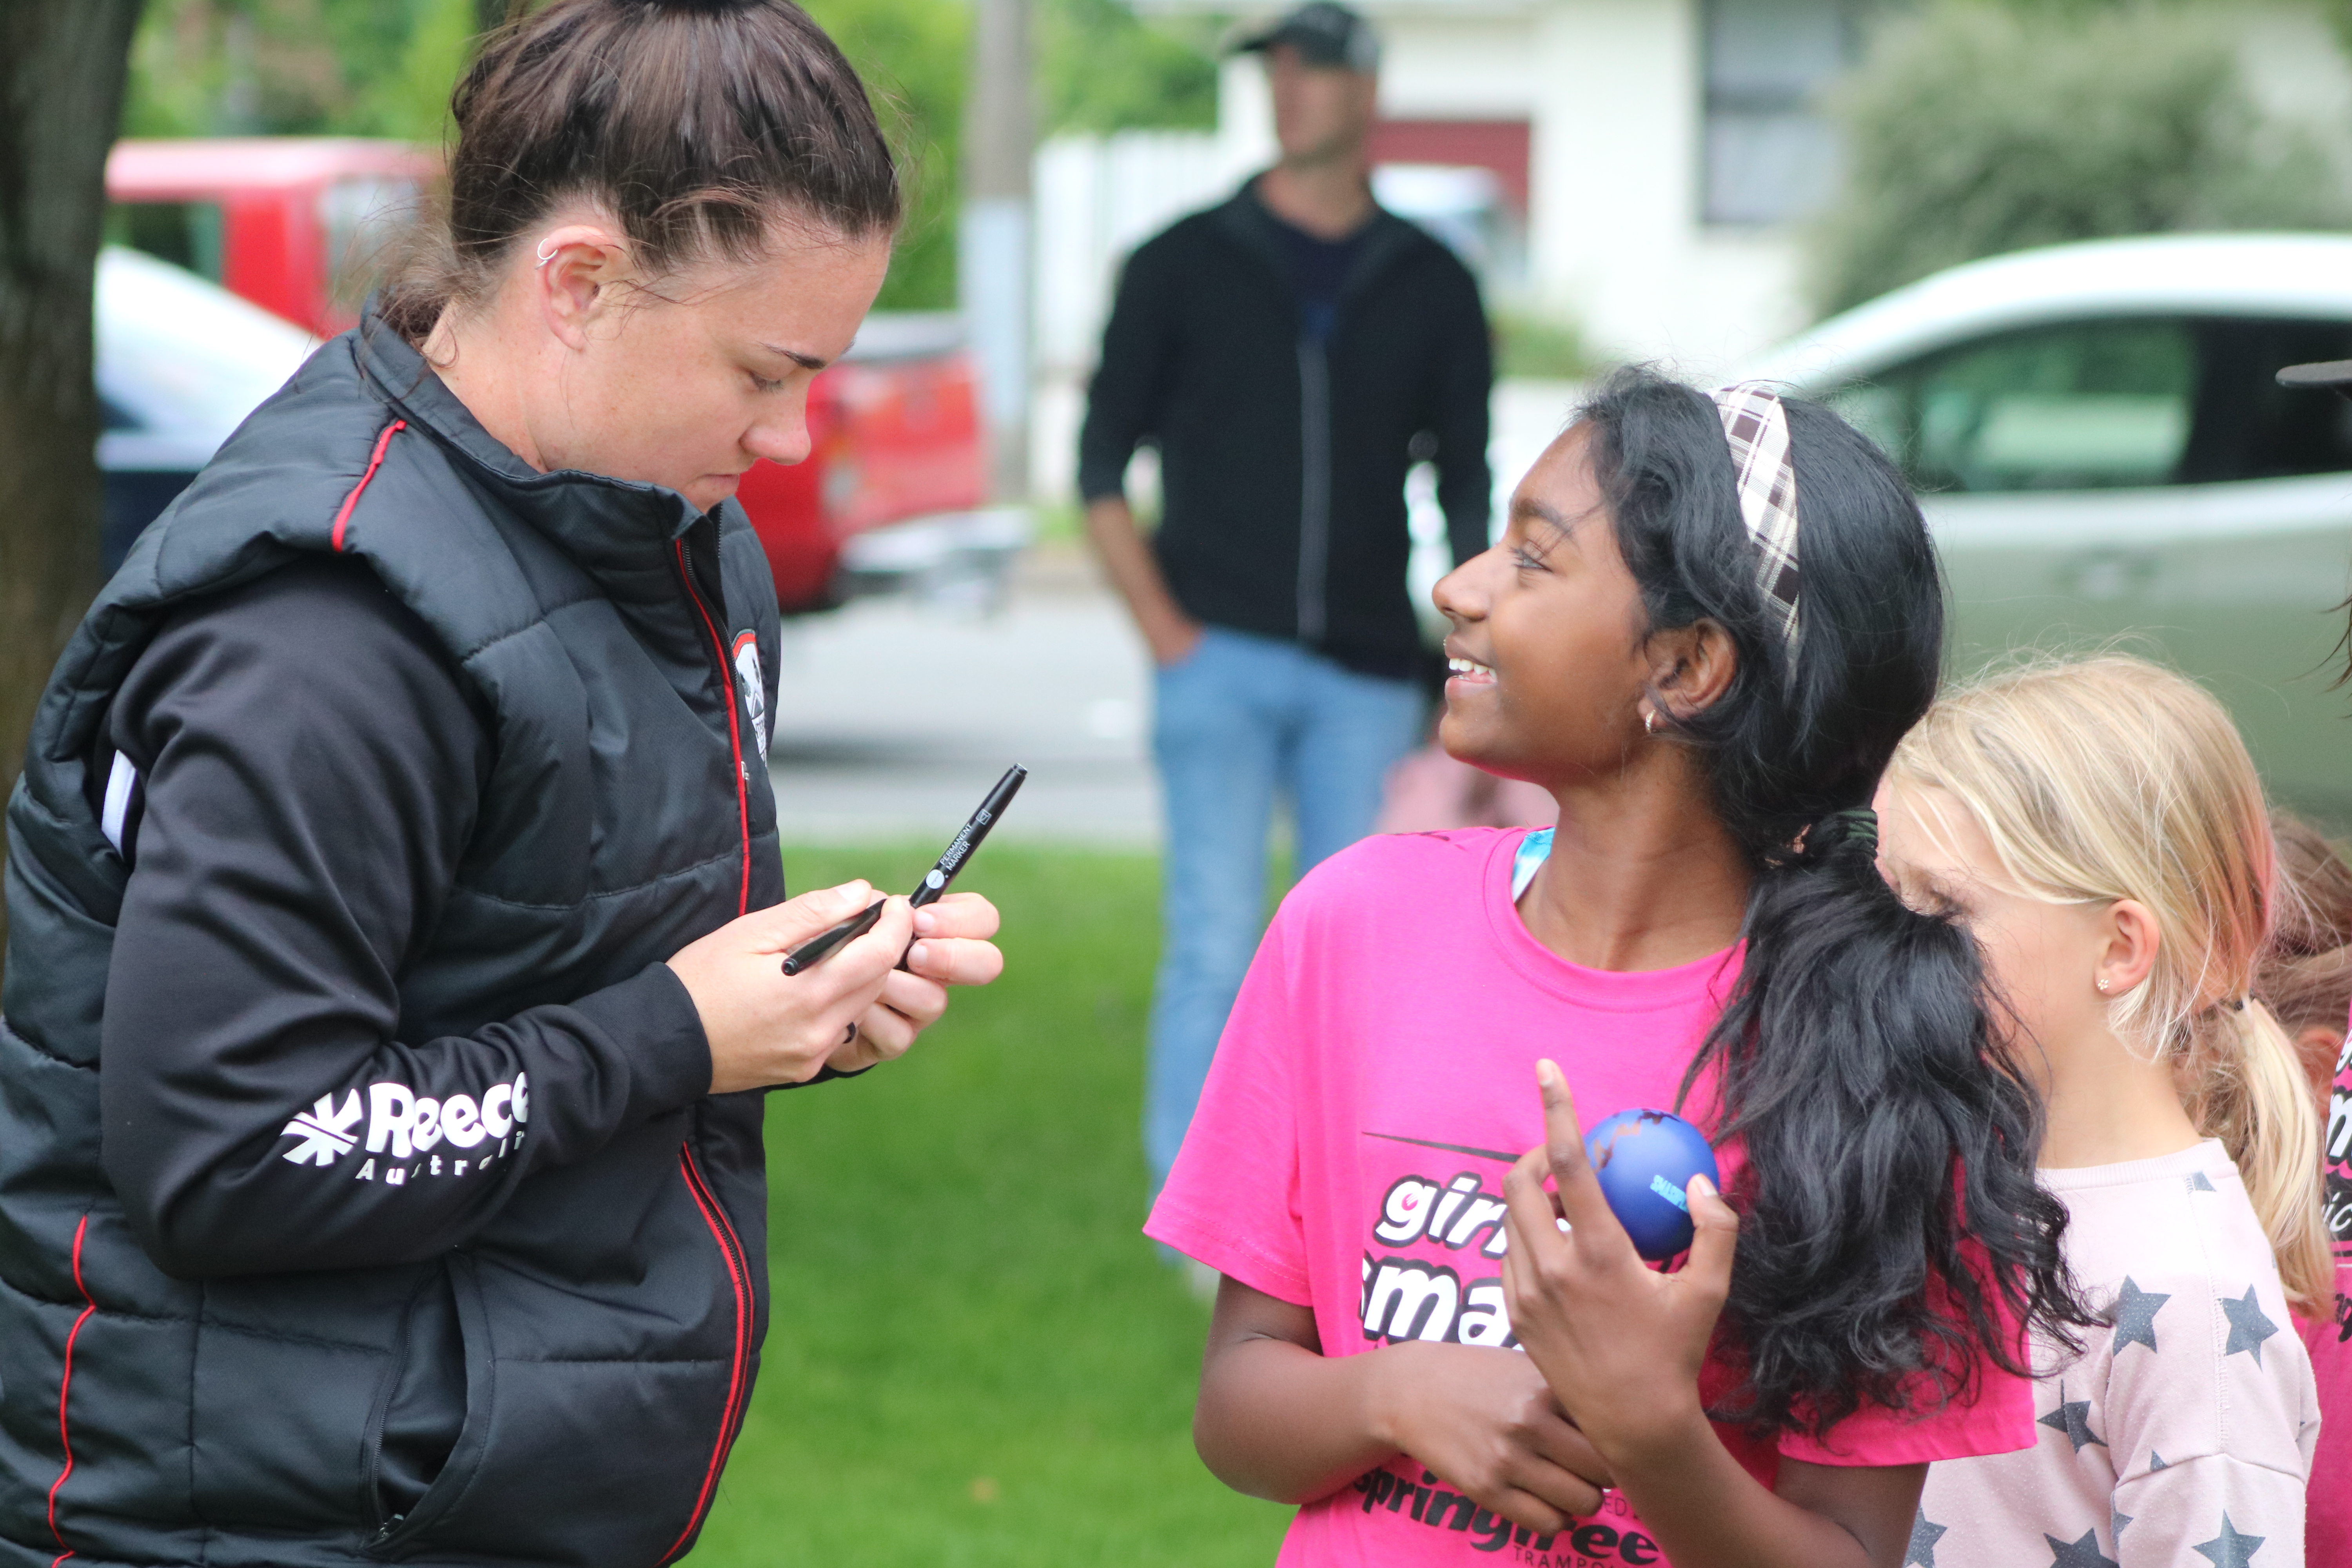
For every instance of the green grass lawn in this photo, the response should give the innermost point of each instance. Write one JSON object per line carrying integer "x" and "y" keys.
{"x": 975, "y": 1358}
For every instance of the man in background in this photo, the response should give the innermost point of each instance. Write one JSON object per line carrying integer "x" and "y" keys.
{"x": 1291, "y": 353}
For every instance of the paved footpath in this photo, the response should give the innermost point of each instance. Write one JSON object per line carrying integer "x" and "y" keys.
{"x": 894, "y": 718}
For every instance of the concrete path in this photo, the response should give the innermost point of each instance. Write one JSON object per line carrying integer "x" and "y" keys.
{"x": 895, "y": 718}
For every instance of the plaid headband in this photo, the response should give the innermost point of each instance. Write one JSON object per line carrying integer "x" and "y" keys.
{"x": 1757, "y": 428}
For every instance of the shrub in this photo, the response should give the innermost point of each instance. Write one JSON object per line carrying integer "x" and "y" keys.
{"x": 1974, "y": 128}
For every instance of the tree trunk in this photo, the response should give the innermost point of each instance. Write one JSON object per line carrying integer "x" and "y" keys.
{"x": 62, "y": 67}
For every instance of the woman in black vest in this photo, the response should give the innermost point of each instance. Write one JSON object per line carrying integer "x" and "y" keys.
{"x": 394, "y": 903}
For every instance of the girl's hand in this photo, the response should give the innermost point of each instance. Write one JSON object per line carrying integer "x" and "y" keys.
{"x": 1620, "y": 1344}
{"x": 1483, "y": 1420}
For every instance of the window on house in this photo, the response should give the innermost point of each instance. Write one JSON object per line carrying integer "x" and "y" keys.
{"x": 1770, "y": 153}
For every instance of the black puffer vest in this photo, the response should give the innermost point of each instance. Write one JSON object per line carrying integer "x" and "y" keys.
{"x": 611, "y": 1312}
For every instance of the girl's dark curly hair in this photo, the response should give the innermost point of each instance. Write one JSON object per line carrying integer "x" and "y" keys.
{"x": 1892, "y": 1230}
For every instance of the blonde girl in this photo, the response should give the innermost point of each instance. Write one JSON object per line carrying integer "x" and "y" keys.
{"x": 2101, "y": 829}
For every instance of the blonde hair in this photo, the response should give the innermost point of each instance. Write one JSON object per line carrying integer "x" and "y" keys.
{"x": 2112, "y": 778}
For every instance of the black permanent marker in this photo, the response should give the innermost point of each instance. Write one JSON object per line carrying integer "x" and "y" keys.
{"x": 935, "y": 880}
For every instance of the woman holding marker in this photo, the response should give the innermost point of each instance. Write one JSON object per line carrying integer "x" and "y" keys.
{"x": 1709, "y": 622}
{"x": 396, "y": 920}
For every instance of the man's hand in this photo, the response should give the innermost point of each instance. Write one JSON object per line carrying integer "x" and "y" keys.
{"x": 1129, "y": 562}
{"x": 1485, "y": 1421}
{"x": 766, "y": 1028}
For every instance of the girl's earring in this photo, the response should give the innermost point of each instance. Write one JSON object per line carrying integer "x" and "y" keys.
{"x": 546, "y": 253}
{"x": 2103, "y": 984}
{"x": 1649, "y": 721}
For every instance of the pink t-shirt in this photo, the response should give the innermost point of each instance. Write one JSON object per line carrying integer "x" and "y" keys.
{"x": 2327, "y": 1526}
{"x": 1375, "y": 1082}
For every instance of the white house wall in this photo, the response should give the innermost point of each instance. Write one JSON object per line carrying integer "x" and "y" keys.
{"x": 1610, "y": 90}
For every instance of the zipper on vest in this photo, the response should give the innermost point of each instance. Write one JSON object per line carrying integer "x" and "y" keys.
{"x": 734, "y": 722}
{"x": 1314, "y": 487}
{"x": 738, "y": 1390}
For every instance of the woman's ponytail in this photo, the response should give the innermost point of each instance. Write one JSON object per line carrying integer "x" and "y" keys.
{"x": 2243, "y": 1082}
{"x": 704, "y": 128}
{"x": 2112, "y": 778}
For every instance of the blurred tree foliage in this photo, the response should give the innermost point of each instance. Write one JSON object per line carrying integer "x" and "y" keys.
{"x": 1975, "y": 127}
{"x": 1100, "y": 68}
{"x": 385, "y": 67}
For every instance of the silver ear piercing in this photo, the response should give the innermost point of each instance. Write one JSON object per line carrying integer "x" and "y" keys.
{"x": 1649, "y": 721}
{"x": 546, "y": 253}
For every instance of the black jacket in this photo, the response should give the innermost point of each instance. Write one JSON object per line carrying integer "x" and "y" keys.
{"x": 1283, "y": 458}
{"x": 360, "y": 1196}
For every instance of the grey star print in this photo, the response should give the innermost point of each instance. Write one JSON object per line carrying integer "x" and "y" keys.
{"x": 1921, "y": 1553}
{"x": 2135, "y": 1312}
{"x": 2230, "y": 1549}
{"x": 2247, "y": 1327}
{"x": 2083, "y": 1553}
{"x": 2072, "y": 1418}
{"x": 2116, "y": 1519}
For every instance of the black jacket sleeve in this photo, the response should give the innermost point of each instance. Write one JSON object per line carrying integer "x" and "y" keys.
{"x": 1123, "y": 400}
{"x": 1463, "y": 381}
{"x": 311, "y": 761}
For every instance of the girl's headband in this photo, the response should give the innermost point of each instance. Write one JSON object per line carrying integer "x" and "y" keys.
{"x": 1756, "y": 428}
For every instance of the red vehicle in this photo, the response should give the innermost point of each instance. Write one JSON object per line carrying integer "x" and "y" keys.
{"x": 892, "y": 496}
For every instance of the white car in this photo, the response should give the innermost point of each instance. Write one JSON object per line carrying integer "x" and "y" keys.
{"x": 2103, "y": 456}
{"x": 181, "y": 362}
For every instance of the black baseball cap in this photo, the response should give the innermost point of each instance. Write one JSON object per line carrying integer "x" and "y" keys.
{"x": 1323, "y": 33}
{"x": 2321, "y": 376}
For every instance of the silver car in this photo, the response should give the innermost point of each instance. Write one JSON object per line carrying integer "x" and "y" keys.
{"x": 2103, "y": 457}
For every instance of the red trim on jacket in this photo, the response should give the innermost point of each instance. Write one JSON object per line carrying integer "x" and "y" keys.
{"x": 65, "y": 1386}
{"x": 375, "y": 461}
{"x": 734, "y": 725}
{"x": 738, "y": 1276}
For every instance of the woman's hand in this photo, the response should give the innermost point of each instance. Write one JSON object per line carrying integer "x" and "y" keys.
{"x": 767, "y": 1027}
{"x": 1620, "y": 1344}
{"x": 1486, "y": 1422}
{"x": 951, "y": 948}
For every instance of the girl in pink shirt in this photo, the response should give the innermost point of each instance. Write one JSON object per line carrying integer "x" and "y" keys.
{"x": 1707, "y": 625}
{"x": 2101, "y": 829}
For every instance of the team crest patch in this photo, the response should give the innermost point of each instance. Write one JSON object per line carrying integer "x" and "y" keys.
{"x": 755, "y": 690}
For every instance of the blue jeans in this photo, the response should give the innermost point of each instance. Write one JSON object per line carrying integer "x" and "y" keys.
{"x": 1238, "y": 717}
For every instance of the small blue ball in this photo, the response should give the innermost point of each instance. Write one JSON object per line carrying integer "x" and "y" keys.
{"x": 1644, "y": 1159}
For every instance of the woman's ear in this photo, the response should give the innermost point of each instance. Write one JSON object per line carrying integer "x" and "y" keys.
{"x": 1691, "y": 667}
{"x": 571, "y": 271}
{"x": 2132, "y": 941}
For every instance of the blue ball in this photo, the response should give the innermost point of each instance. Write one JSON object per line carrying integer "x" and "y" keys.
{"x": 1644, "y": 1159}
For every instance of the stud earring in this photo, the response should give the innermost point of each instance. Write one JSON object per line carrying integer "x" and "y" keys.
{"x": 1649, "y": 721}
{"x": 2103, "y": 984}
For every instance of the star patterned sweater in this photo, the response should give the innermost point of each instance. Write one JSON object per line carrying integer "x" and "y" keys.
{"x": 2183, "y": 1433}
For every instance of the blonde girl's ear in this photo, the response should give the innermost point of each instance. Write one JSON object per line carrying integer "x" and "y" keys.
{"x": 2135, "y": 937}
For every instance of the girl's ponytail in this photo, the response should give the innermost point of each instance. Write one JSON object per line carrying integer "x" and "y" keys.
{"x": 2112, "y": 778}
{"x": 1872, "y": 1169}
{"x": 2244, "y": 1084}
{"x": 1893, "y": 1236}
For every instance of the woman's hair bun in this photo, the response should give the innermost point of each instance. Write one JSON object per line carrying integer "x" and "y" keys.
{"x": 697, "y": 124}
